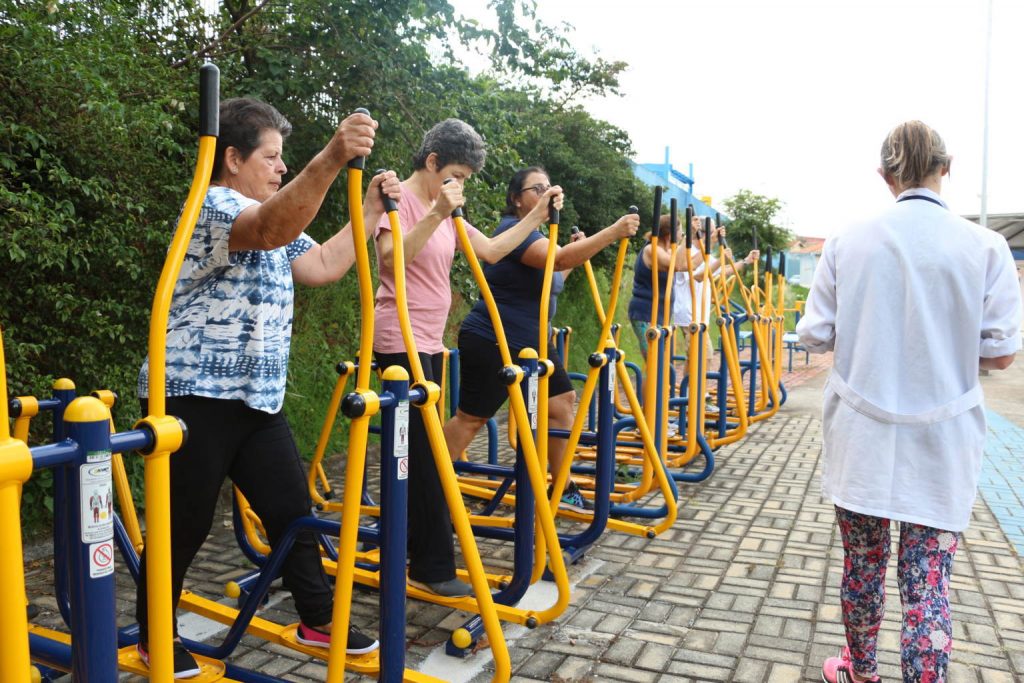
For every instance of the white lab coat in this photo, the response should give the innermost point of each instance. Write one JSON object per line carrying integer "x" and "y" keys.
{"x": 908, "y": 301}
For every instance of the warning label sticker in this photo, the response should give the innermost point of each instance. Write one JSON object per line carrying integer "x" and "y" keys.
{"x": 96, "y": 494}
{"x": 403, "y": 467}
{"x": 101, "y": 559}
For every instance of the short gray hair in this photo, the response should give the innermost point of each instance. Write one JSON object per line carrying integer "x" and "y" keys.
{"x": 454, "y": 142}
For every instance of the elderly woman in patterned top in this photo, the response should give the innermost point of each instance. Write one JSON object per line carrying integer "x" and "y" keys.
{"x": 228, "y": 342}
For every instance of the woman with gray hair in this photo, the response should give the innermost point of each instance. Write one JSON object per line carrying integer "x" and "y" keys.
{"x": 451, "y": 149}
{"x": 904, "y": 421}
{"x": 228, "y": 340}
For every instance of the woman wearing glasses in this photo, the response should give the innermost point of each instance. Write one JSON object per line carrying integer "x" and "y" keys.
{"x": 516, "y": 282}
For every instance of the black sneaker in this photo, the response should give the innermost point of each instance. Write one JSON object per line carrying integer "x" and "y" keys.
{"x": 185, "y": 665}
{"x": 358, "y": 643}
{"x": 452, "y": 588}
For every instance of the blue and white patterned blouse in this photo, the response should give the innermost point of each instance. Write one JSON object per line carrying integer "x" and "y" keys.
{"x": 230, "y": 323}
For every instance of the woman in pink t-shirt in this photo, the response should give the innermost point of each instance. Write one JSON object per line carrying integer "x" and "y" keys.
{"x": 451, "y": 149}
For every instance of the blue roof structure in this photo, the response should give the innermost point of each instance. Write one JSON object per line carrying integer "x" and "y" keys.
{"x": 676, "y": 185}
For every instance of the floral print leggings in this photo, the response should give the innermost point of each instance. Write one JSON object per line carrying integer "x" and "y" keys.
{"x": 924, "y": 567}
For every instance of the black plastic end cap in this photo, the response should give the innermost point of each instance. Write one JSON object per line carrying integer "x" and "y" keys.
{"x": 615, "y": 328}
{"x": 353, "y": 406}
{"x": 531, "y": 622}
{"x": 14, "y": 407}
{"x": 575, "y": 229}
{"x": 209, "y": 100}
{"x": 633, "y": 209}
{"x": 595, "y": 360}
{"x": 507, "y": 376}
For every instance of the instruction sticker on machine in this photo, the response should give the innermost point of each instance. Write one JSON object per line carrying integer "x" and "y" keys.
{"x": 401, "y": 438}
{"x": 531, "y": 393}
{"x": 611, "y": 377}
{"x": 402, "y": 429}
{"x": 96, "y": 494}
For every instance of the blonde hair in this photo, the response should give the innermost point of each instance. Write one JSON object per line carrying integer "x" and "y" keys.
{"x": 911, "y": 152}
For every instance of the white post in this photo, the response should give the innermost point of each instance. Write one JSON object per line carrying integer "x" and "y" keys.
{"x": 983, "y": 213}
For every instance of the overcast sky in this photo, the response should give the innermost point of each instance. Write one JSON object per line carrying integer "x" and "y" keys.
{"x": 792, "y": 99}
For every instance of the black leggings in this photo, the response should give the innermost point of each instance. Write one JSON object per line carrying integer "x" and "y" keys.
{"x": 431, "y": 547}
{"x": 226, "y": 438}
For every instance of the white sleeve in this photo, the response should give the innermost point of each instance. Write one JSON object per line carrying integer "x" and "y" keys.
{"x": 1001, "y": 310}
{"x": 817, "y": 327}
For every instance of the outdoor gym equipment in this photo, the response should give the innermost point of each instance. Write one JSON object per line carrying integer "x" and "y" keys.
{"x": 605, "y": 366}
{"x": 82, "y": 457}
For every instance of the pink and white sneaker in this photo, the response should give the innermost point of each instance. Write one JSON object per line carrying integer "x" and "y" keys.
{"x": 840, "y": 670}
{"x": 357, "y": 644}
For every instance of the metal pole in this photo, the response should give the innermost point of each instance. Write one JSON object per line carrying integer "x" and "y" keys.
{"x": 983, "y": 214}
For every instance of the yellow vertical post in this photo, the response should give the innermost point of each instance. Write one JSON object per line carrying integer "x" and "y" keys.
{"x": 157, "y": 467}
{"x": 15, "y": 469}
{"x": 358, "y": 431}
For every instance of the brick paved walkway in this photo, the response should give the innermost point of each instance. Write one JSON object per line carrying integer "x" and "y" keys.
{"x": 743, "y": 588}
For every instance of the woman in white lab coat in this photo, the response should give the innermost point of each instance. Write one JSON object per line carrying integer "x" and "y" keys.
{"x": 913, "y": 302}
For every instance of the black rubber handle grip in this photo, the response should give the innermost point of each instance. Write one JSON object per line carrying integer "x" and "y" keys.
{"x": 768, "y": 260}
{"x": 457, "y": 213}
{"x": 721, "y": 239}
{"x": 718, "y": 224}
{"x": 689, "y": 226}
{"x": 674, "y": 220}
{"x": 782, "y": 263}
{"x": 359, "y": 162}
{"x": 707, "y": 233}
{"x": 209, "y": 100}
{"x": 552, "y": 213}
{"x": 389, "y": 203}
{"x": 656, "y": 215}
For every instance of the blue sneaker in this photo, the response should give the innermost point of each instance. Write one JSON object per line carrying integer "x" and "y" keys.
{"x": 572, "y": 499}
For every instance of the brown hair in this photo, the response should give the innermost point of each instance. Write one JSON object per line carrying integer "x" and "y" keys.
{"x": 911, "y": 152}
{"x": 242, "y": 122}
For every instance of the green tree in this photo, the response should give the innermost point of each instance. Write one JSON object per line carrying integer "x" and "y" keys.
{"x": 97, "y": 136}
{"x": 754, "y": 214}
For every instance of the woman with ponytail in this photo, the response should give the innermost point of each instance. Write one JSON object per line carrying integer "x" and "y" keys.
{"x": 914, "y": 302}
